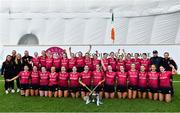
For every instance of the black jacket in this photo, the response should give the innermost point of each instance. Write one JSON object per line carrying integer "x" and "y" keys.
{"x": 166, "y": 62}
{"x": 18, "y": 66}
{"x": 7, "y": 69}
{"x": 156, "y": 61}
{"x": 26, "y": 61}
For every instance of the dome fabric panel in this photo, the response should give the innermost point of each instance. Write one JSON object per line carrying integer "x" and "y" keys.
{"x": 56, "y": 22}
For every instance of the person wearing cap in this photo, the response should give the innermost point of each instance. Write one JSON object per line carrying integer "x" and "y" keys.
{"x": 156, "y": 60}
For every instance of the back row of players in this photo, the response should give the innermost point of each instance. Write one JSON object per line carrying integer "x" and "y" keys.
{"x": 129, "y": 77}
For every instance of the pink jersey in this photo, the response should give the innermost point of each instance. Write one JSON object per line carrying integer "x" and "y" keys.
{"x": 105, "y": 62}
{"x": 122, "y": 78}
{"x": 128, "y": 63}
{"x": 95, "y": 62}
{"x": 165, "y": 79}
{"x": 146, "y": 63}
{"x": 63, "y": 79}
{"x": 142, "y": 82}
{"x": 53, "y": 79}
{"x": 153, "y": 78}
{"x": 44, "y": 78}
{"x": 133, "y": 78}
{"x": 137, "y": 63}
{"x": 74, "y": 79}
{"x": 120, "y": 63}
{"x": 24, "y": 77}
{"x": 57, "y": 62}
{"x": 34, "y": 77}
{"x": 64, "y": 62}
{"x": 110, "y": 78}
{"x": 80, "y": 61}
{"x": 49, "y": 63}
{"x": 72, "y": 62}
{"x": 112, "y": 62}
{"x": 97, "y": 77}
{"x": 42, "y": 61}
{"x": 86, "y": 77}
{"x": 88, "y": 62}
{"x": 35, "y": 61}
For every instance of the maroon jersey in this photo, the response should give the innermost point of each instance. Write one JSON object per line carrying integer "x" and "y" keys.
{"x": 44, "y": 78}
{"x": 95, "y": 62}
{"x": 142, "y": 82}
{"x": 137, "y": 63}
{"x": 74, "y": 79}
{"x": 88, "y": 62}
{"x": 153, "y": 78}
{"x": 34, "y": 77}
{"x": 97, "y": 77}
{"x": 49, "y": 63}
{"x": 72, "y": 62}
{"x": 35, "y": 61}
{"x": 63, "y": 79}
{"x": 133, "y": 78}
{"x": 110, "y": 78}
{"x": 42, "y": 61}
{"x": 24, "y": 77}
{"x": 128, "y": 63}
{"x": 146, "y": 63}
{"x": 120, "y": 63}
{"x": 112, "y": 62}
{"x": 53, "y": 79}
{"x": 165, "y": 79}
{"x": 86, "y": 77}
{"x": 105, "y": 62}
{"x": 80, "y": 61}
{"x": 122, "y": 78}
{"x": 64, "y": 62}
{"x": 57, "y": 62}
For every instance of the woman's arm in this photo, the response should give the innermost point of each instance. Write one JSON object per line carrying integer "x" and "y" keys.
{"x": 14, "y": 78}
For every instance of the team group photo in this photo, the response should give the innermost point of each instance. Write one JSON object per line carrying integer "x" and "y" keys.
{"x": 89, "y": 56}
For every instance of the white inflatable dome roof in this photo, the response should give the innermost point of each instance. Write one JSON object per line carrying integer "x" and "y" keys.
{"x": 61, "y": 22}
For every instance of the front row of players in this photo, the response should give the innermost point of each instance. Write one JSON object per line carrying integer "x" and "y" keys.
{"x": 131, "y": 84}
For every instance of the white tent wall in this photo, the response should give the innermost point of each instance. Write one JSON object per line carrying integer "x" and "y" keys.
{"x": 177, "y": 41}
{"x": 140, "y": 30}
{"x": 165, "y": 28}
{"x": 64, "y": 22}
{"x": 161, "y": 29}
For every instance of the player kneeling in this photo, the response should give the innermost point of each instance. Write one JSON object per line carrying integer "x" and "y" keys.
{"x": 133, "y": 82}
{"x": 142, "y": 83}
{"x": 122, "y": 83}
{"x": 74, "y": 82}
{"x": 109, "y": 82}
{"x": 24, "y": 81}
{"x": 44, "y": 80}
{"x": 165, "y": 85}
{"x": 63, "y": 83}
{"x": 85, "y": 81}
{"x": 153, "y": 84}
{"x": 53, "y": 83}
{"x": 34, "y": 82}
